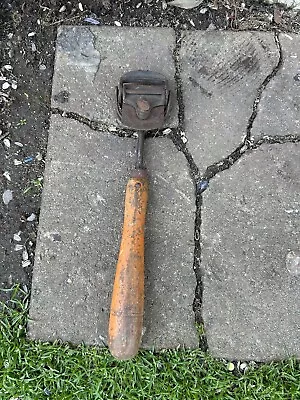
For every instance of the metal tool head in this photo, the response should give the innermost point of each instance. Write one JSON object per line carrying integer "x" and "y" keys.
{"x": 143, "y": 99}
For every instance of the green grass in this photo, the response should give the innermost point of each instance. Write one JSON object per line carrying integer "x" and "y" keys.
{"x": 32, "y": 370}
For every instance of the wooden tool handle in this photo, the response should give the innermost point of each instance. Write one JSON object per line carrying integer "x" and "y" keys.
{"x": 127, "y": 305}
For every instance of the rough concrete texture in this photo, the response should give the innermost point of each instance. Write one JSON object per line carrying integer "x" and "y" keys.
{"x": 221, "y": 72}
{"x": 79, "y": 235}
{"x": 279, "y": 109}
{"x": 90, "y": 61}
{"x": 250, "y": 257}
{"x": 295, "y": 4}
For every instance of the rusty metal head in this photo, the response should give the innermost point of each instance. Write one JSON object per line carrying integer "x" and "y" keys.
{"x": 143, "y": 99}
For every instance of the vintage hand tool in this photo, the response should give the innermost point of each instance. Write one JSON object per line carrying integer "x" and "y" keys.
{"x": 142, "y": 104}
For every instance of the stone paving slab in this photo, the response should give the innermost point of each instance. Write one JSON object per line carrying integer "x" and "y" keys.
{"x": 250, "y": 231}
{"x": 251, "y": 255}
{"x": 90, "y": 61}
{"x": 79, "y": 234}
{"x": 280, "y": 105}
{"x": 221, "y": 72}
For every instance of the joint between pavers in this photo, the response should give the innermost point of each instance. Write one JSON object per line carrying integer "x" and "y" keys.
{"x": 245, "y": 148}
{"x": 197, "y": 304}
{"x": 101, "y": 126}
{"x": 177, "y": 76}
{"x": 277, "y": 139}
{"x": 177, "y": 137}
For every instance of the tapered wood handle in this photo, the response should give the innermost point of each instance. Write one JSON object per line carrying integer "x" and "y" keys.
{"x": 127, "y": 305}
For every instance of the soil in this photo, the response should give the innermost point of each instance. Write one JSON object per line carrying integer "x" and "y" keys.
{"x": 27, "y": 46}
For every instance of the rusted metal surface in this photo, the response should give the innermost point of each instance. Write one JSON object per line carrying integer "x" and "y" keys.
{"x": 143, "y": 100}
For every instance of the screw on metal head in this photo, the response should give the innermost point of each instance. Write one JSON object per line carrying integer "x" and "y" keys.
{"x": 143, "y": 108}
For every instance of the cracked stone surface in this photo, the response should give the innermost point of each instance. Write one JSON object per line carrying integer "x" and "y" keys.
{"x": 250, "y": 257}
{"x": 249, "y": 233}
{"x": 90, "y": 61}
{"x": 279, "y": 108}
{"x": 79, "y": 233}
{"x": 221, "y": 72}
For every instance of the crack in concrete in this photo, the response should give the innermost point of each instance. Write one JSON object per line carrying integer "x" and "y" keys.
{"x": 94, "y": 125}
{"x": 101, "y": 126}
{"x": 249, "y": 143}
{"x": 263, "y": 86}
{"x": 201, "y": 183}
{"x": 177, "y": 139}
{"x": 246, "y": 146}
{"x": 94, "y": 44}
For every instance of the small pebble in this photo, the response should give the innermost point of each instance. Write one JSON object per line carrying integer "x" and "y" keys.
{"x": 7, "y": 67}
{"x": 17, "y": 162}
{"x": 167, "y": 131}
{"x": 6, "y": 143}
{"x": 80, "y": 6}
{"x": 33, "y": 47}
{"x": 243, "y": 366}
{"x": 42, "y": 67}
{"x": 230, "y": 366}
{"x": 62, "y": 9}
{"x": 5, "y": 85}
{"x": 117, "y": 23}
{"x": 28, "y": 160}
{"x": 31, "y": 34}
{"x": 7, "y": 196}
{"x": 31, "y": 217}
{"x": 25, "y": 255}
{"x": 92, "y": 21}
{"x": 14, "y": 85}
{"x": 39, "y": 157}
{"x": 19, "y": 144}
{"x": 18, "y": 247}
{"x": 202, "y": 185}
{"x": 7, "y": 176}
{"x": 26, "y": 263}
{"x": 17, "y": 237}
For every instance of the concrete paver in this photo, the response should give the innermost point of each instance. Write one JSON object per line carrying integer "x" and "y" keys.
{"x": 250, "y": 235}
{"x": 221, "y": 72}
{"x": 279, "y": 109}
{"x": 90, "y": 61}
{"x": 79, "y": 234}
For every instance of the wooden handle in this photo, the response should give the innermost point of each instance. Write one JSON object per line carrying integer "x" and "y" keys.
{"x": 127, "y": 305}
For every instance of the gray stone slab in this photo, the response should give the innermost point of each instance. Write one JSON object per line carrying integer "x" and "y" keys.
{"x": 221, "y": 72}
{"x": 89, "y": 62}
{"x": 279, "y": 109}
{"x": 79, "y": 234}
{"x": 251, "y": 255}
